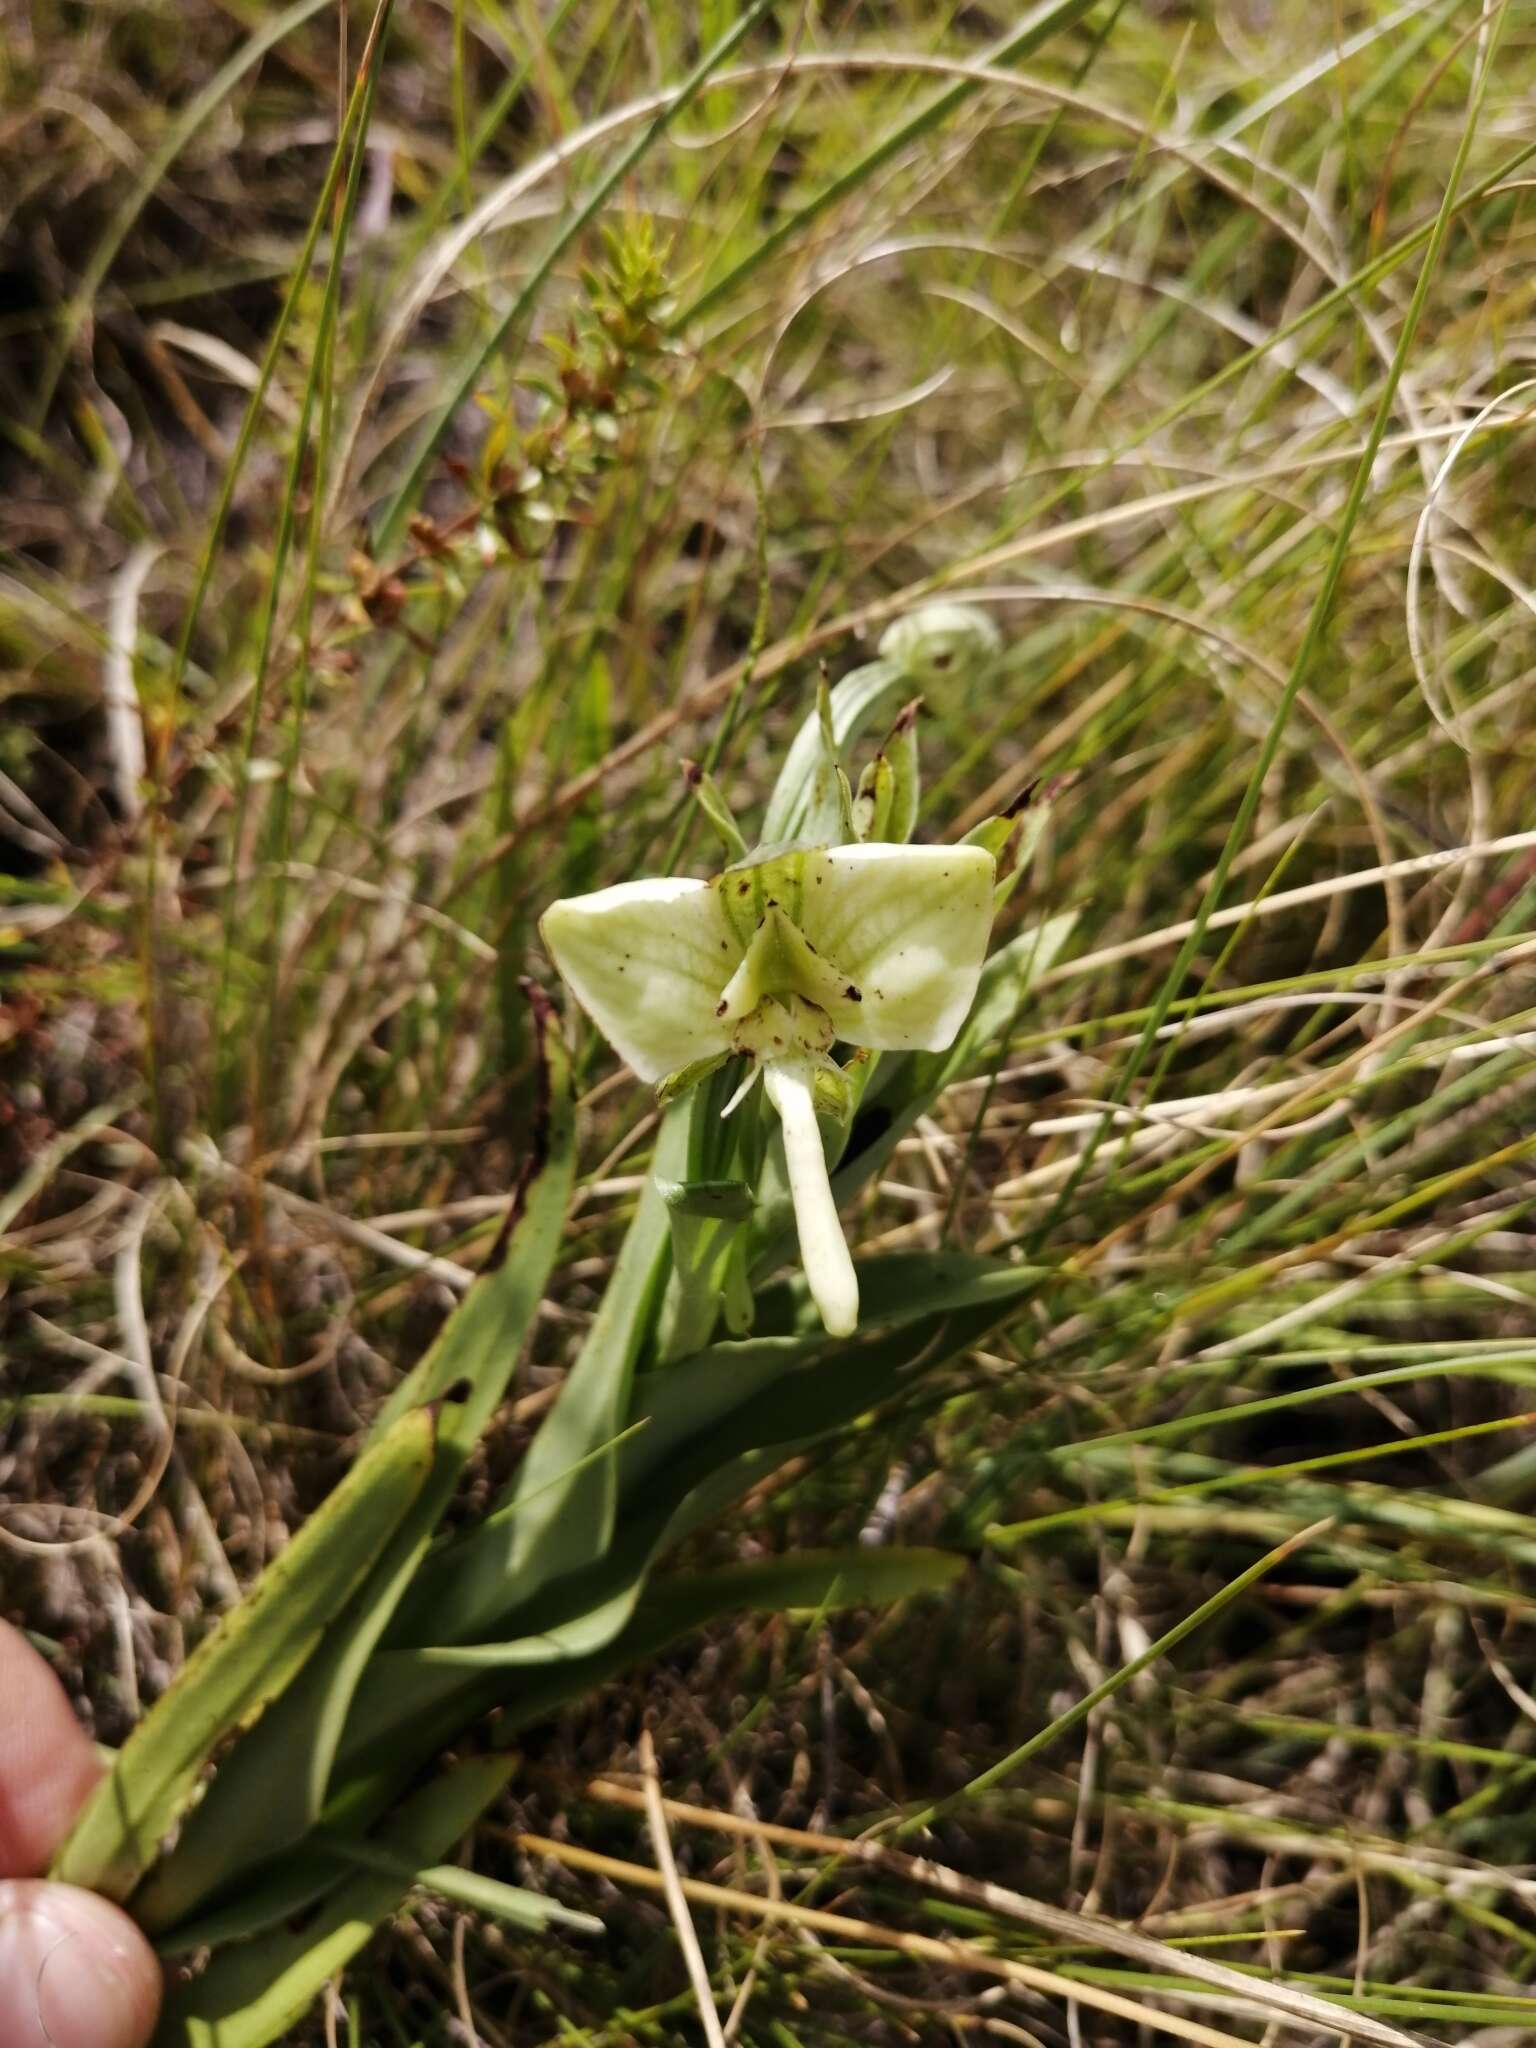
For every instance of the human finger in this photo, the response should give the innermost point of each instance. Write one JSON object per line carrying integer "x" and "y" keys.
{"x": 74, "y": 1970}
{"x": 47, "y": 1763}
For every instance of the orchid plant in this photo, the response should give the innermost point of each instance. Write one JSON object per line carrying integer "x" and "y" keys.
{"x": 844, "y": 970}
{"x": 840, "y": 935}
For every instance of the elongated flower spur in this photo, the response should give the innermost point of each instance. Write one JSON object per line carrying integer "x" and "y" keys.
{"x": 778, "y": 959}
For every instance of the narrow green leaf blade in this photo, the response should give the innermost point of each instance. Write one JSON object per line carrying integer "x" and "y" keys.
{"x": 489, "y": 1895}
{"x": 812, "y": 1579}
{"x": 815, "y": 1580}
{"x": 589, "y": 1622}
{"x": 800, "y": 1394}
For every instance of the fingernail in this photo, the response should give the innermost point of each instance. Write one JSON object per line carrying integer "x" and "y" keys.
{"x": 74, "y": 1971}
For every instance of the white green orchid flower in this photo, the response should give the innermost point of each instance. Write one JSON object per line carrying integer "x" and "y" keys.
{"x": 876, "y": 945}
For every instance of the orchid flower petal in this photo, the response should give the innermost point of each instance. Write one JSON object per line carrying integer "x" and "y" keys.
{"x": 908, "y": 926}
{"x": 647, "y": 961}
{"x": 829, "y": 1273}
{"x": 930, "y": 642}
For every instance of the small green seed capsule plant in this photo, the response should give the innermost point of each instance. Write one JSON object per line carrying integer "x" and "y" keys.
{"x": 321, "y": 1751}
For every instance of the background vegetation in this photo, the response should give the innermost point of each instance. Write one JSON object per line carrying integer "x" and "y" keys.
{"x": 419, "y": 431}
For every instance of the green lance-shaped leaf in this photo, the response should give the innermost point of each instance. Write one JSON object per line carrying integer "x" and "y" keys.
{"x": 536, "y": 1673}
{"x": 512, "y": 1903}
{"x": 282, "y": 1891}
{"x": 812, "y": 1581}
{"x": 252, "y": 1992}
{"x": 682, "y": 1404}
{"x": 256, "y": 1650}
{"x": 557, "y": 1515}
{"x": 272, "y": 1786}
{"x": 750, "y": 1406}
{"x": 720, "y": 1422}
{"x": 809, "y": 1580}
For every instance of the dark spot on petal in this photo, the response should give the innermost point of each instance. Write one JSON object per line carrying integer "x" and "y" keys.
{"x": 720, "y": 1007}
{"x": 853, "y": 994}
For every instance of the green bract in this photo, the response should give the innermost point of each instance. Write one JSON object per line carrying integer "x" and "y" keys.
{"x": 876, "y": 945}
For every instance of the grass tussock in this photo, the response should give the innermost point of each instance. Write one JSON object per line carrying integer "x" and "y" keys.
{"x": 420, "y": 430}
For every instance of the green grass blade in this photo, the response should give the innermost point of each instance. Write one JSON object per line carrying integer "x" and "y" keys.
{"x": 180, "y": 132}
{"x": 1037, "y": 28}
{"x": 1169, "y": 1640}
{"x": 1318, "y": 621}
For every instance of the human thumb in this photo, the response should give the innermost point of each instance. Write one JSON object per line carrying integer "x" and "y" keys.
{"x": 74, "y": 1970}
